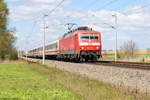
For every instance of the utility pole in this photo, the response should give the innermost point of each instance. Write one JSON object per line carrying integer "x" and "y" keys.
{"x": 115, "y": 16}
{"x": 26, "y": 55}
{"x": 44, "y": 22}
{"x": 26, "y": 49}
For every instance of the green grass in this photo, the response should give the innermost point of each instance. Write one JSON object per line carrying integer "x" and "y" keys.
{"x": 38, "y": 82}
{"x": 20, "y": 81}
{"x": 108, "y": 57}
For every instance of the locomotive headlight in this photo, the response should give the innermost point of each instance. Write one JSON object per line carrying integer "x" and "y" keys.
{"x": 97, "y": 47}
{"x": 82, "y": 47}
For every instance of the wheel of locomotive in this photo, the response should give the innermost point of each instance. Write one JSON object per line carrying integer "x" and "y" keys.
{"x": 82, "y": 59}
{"x": 94, "y": 59}
{"x": 58, "y": 57}
{"x": 77, "y": 59}
{"x": 86, "y": 58}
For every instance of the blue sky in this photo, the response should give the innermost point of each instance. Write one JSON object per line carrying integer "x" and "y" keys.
{"x": 133, "y": 20}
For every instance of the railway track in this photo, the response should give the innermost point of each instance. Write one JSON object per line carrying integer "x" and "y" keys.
{"x": 133, "y": 65}
{"x": 121, "y": 64}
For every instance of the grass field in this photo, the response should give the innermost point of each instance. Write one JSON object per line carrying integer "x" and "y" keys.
{"x": 23, "y": 83}
{"x": 38, "y": 82}
{"x": 140, "y": 56}
{"x": 137, "y": 58}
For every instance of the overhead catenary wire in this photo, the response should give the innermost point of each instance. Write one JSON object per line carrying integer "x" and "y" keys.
{"x": 136, "y": 9}
{"x": 143, "y": 6}
{"x": 44, "y": 23}
{"x": 91, "y": 4}
{"x": 107, "y": 4}
{"x": 59, "y": 4}
{"x": 30, "y": 34}
{"x": 46, "y": 15}
{"x": 27, "y": 40}
{"x": 103, "y": 6}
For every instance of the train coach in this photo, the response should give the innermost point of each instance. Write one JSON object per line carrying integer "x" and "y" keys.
{"x": 81, "y": 44}
{"x": 51, "y": 51}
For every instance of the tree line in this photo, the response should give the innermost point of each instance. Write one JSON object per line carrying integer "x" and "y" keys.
{"x": 7, "y": 39}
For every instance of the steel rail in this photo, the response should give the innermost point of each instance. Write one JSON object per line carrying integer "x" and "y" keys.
{"x": 121, "y": 64}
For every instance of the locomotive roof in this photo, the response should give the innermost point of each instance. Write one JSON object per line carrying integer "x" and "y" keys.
{"x": 85, "y": 28}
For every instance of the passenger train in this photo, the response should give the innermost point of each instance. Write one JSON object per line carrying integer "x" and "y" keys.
{"x": 81, "y": 44}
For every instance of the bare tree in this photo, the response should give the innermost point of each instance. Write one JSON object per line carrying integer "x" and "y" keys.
{"x": 129, "y": 48}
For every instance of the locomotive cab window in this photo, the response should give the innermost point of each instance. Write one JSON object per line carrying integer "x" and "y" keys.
{"x": 84, "y": 36}
{"x": 91, "y": 36}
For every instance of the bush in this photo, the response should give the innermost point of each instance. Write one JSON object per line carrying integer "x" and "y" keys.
{"x": 7, "y": 49}
{"x": 13, "y": 55}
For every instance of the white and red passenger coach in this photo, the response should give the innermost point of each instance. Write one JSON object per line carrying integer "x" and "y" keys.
{"x": 81, "y": 44}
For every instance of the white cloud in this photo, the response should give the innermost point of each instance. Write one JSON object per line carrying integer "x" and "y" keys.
{"x": 13, "y": 0}
{"x": 45, "y": 1}
{"x": 134, "y": 9}
{"x": 34, "y": 7}
{"x": 132, "y": 25}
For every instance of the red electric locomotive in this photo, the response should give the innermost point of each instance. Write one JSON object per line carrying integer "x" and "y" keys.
{"x": 81, "y": 44}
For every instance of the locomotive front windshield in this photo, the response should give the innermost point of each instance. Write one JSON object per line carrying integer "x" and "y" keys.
{"x": 91, "y": 36}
